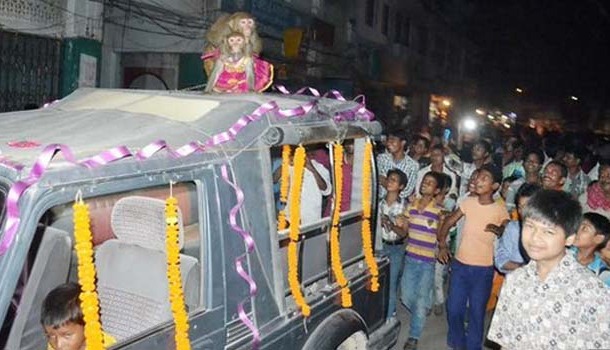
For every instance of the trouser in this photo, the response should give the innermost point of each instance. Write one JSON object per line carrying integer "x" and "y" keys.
{"x": 469, "y": 289}
{"x": 416, "y": 292}
{"x": 439, "y": 282}
{"x": 395, "y": 253}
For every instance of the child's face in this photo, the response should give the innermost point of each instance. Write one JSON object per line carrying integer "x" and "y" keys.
{"x": 429, "y": 186}
{"x": 485, "y": 183}
{"x": 393, "y": 184}
{"x": 544, "y": 241}
{"x": 395, "y": 144}
{"x": 472, "y": 182}
{"x": 587, "y": 236}
{"x": 70, "y": 336}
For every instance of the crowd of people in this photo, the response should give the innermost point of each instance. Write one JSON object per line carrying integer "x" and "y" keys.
{"x": 518, "y": 228}
{"x": 515, "y": 228}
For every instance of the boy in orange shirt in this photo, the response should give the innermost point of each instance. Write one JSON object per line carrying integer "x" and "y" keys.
{"x": 472, "y": 268}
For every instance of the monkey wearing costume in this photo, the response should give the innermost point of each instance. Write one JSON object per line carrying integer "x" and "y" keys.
{"x": 236, "y": 70}
{"x": 241, "y": 22}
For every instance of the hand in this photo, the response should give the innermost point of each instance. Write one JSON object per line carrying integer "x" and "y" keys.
{"x": 443, "y": 254}
{"x": 401, "y": 221}
{"x": 495, "y": 229}
{"x": 412, "y": 198}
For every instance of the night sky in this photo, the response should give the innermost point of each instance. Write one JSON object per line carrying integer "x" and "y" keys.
{"x": 551, "y": 48}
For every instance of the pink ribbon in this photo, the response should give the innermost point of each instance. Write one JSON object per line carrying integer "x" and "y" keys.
{"x": 120, "y": 152}
{"x": 250, "y": 246}
{"x": 347, "y": 115}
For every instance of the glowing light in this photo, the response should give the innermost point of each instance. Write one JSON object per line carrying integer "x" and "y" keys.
{"x": 469, "y": 124}
{"x": 506, "y": 125}
{"x": 446, "y": 103}
{"x": 480, "y": 111}
{"x": 519, "y": 90}
{"x": 574, "y": 98}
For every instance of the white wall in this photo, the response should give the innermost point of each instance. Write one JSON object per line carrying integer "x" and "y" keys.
{"x": 54, "y": 18}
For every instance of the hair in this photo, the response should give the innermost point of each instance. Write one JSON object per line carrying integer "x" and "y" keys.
{"x": 495, "y": 172}
{"x": 510, "y": 179}
{"x": 402, "y": 177}
{"x": 601, "y": 224}
{"x": 526, "y": 190}
{"x": 62, "y": 306}
{"x": 421, "y": 138}
{"x": 538, "y": 152}
{"x": 555, "y": 207}
{"x": 438, "y": 177}
{"x": 485, "y": 144}
{"x": 400, "y": 133}
{"x": 438, "y": 147}
{"x": 578, "y": 152}
{"x": 562, "y": 167}
{"x": 552, "y": 145}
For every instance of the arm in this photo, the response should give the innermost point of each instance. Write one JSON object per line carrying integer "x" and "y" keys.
{"x": 507, "y": 248}
{"x": 411, "y": 172}
{"x": 321, "y": 181}
{"x": 497, "y": 230}
{"x": 441, "y": 236}
{"x": 401, "y": 227}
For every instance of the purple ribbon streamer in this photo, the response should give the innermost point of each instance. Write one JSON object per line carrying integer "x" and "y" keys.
{"x": 346, "y": 115}
{"x": 250, "y": 245}
{"x": 120, "y": 152}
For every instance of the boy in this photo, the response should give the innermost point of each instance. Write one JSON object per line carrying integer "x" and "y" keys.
{"x": 62, "y": 319}
{"x": 421, "y": 220}
{"x": 472, "y": 269}
{"x": 446, "y": 199}
{"x": 390, "y": 207}
{"x": 507, "y": 254}
{"x": 593, "y": 235}
{"x": 553, "y": 301}
{"x": 395, "y": 157}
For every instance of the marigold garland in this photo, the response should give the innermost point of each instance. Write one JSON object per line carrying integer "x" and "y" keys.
{"x": 89, "y": 301}
{"x": 284, "y": 184}
{"x": 367, "y": 244}
{"x": 294, "y": 231}
{"x": 176, "y": 294}
{"x": 335, "y": 244}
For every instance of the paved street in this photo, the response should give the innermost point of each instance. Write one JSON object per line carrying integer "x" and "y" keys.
{"x": 435, "y": 332}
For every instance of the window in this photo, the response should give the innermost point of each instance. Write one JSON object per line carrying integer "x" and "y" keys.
{"x": 128, "y": 230}
{"x": 385, "y": 20}
{"x": 402, "y": 27}
{"x": 423, "y": 40}
{"x": 369, "y": 13}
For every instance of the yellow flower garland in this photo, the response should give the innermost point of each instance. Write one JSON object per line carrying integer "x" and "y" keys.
{"x": 294, "y": 231}
{"x": 367, "y": 244}
{"x": 284, "y": 184}
{"x": 176, "y": 294}
{"x": 89, "y": 302}
{"x": 335, "y": 244}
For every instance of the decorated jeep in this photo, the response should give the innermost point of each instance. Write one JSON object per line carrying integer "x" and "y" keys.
{"x": 163, "y": 207}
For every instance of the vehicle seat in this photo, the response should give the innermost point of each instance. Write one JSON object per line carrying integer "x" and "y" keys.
{"x": 131, "y": 269}
{"x": 50, "y": 269}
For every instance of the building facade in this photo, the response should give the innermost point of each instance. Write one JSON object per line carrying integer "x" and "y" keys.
{"x": 400, "y": 54}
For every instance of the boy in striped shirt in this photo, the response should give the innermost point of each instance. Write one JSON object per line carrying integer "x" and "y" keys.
{"x": 421, "y": 221}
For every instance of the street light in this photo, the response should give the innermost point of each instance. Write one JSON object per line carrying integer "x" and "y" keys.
{"x": 519, "y": 90}
{"x": 574, "y": 98}
{"x": 469, "y": 124}
{"x": 446, "y": 103}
